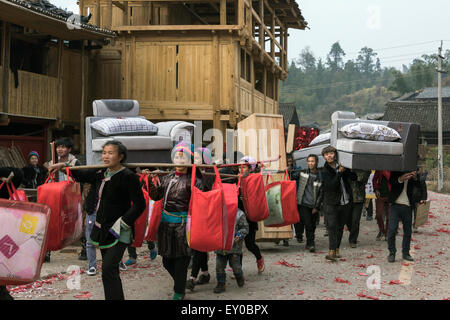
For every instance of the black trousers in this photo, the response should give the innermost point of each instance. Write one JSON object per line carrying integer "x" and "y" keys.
{"x": 309, "y": 220}
{"x": 354, "y": 221}
{"x": 337, "y": 217}
{"x": 250, "y": 242}
{"x": 199, "y": 262}
{"x": 300, "y": 226}
{"x": 178, "y": 269}
{"x": 4, "y": 294}
{"x": 112, "y": 284}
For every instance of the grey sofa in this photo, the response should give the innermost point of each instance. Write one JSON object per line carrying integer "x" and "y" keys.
{"x": 141, "y": 148}
{"x": 377, "y": 155}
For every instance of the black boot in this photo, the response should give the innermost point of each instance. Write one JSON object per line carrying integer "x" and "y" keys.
{"x": 220, "y": 287}
{"x": 204, "y": 278}
{"x": 47, "y": 256}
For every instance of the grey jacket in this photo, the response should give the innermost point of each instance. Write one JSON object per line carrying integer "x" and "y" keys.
{"x": 358, "y": 186}
{"x": 302, "y": 178}
{"x": 241, "y": 226}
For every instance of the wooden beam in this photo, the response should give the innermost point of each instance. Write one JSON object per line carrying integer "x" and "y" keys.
{"x": 98, "y": 15}
{"x": 60, "y": 78}
{"x": 265, "y": 88}
{"x": 126, "y": 20}
{"x": 261, "y": 26}
{"x": 177, "y": 28}
{"x": 6, "y": 52}
{"x": 83, "y": 97}
{"x": 223, "y": 12}
{"x": 108, "y": 22}
{"x": 119, "y": 5}
{"x": 240, "y": 13}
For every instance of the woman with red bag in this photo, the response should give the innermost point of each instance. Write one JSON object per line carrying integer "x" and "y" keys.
{"x": 120, "y": 203}
{"x": 14, "y": 176}
{"x": 200, "y": 259}
{"x": 175, "y": 190}
{"x": 250, "y": 242}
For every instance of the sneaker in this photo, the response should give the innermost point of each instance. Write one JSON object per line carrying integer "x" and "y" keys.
{"x": 337, "y": 253}
{"x": 415, "y": 230}
{"x": 391, "y": 257}
{"x": 122, "y": 266}
{"x": 379, "y": 236}
{"x": 300, "y": 240}
{"x": 130, "y": 262}
{"x": 92, "y": 271}
{"x": 286, "y": 243}
{"x": 311, "y": 248}
{"x": 178, "y": 296}
{"x": 219, "y": 288}
{"x": 204, "y": 278}
{"x": 331, "y": 255}
{"x": 153, "y": 254}
{"x": 240, "y": 281}
{"x": 190, "y": 284}
{"x": 260, "y": 264}
{"x": 369, "y": 218}
{"x": 353, "y": 245}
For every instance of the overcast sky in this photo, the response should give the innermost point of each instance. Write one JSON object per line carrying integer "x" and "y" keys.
{"x": 414, "y": 27}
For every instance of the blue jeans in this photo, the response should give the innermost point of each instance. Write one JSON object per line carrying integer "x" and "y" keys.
{"x": 398, "y": 213}
{"x": 91, "y": 250}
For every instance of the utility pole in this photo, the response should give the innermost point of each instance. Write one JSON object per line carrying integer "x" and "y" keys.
{"x": 440, "y": 155}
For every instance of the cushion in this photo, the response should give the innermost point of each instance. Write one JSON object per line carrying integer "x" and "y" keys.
{"x": 136, "y": 142}
{"x": 369, "y": 131}
{"x": 321, "y": 138}
{"x": 115, "y": 108}
{"x": 369, "y": 147}
{"x": 125, "y": 126}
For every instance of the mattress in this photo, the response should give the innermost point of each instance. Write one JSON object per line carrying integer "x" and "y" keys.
{"x": 136, "y": 142}
{"x": 369, "y": 147}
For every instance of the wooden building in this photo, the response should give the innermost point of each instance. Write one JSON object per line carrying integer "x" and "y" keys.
{"x": 44, "y": 75}
{"x": 213, "y": 60}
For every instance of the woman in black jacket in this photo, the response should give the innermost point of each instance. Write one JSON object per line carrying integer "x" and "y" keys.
{"x": 175, "y": 190}
{"x": 34, "y": 174}
{"x": 120, "y": 204}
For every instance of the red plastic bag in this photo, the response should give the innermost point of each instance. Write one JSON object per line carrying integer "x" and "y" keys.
{"x": 230, "y": 197}
{"x": 14, "y": 194}
{"x": 288, "y": 201}
{"x": 140, "y": 225}
{"x": 154, "y": 217}
{"x": 254, "y": 197}
{"x": 66, "y": 219}
{"x": 23, "y": 232}
{"x": 206, "y": 215}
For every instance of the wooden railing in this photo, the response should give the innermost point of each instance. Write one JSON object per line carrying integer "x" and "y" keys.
{"x": 35, "y": 96}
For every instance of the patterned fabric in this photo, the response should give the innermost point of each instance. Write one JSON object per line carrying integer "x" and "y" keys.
{"x": 369, "y": 131}
{"x": 125, "y": 126}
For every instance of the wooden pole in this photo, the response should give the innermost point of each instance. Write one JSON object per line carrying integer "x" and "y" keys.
{"x": 223, "y": 12}
{"x": 83, "y": 97}
{"x": 6, "y": 47}
{"x": 440, "y": 153}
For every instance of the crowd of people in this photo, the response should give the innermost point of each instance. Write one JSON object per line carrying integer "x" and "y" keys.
{"x": 113, "y": 200}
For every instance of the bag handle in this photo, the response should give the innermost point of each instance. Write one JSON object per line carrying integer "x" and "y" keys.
{"x": 50, "y": 177}
{"x": 11, "y": 194}
{"x": 286, "y": 174}
{"x": 267, "y": 178}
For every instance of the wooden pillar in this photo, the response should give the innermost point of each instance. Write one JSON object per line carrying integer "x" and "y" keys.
{"x": 126, "y": 20}
{"x": 81, "y": 6}
{"x": 83, "y": 98}
{"x": 286, "y": 65}
{"x": 265, "y": 87}
{"x": 240, "y": 12}
{"x": 108, "y": 22}
{"x": 252, "y": 79}
{"x": 97, "y": 14}
{"x": 223, "y": 12}
{"x": 60, "y": 78}
{"x": 6, "y": 52}
{"x": 216, "y": 77}
{"x": 261, "y": 27}
{"x": 272, "y": 39}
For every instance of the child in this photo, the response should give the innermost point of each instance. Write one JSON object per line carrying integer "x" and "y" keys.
{"x": 233, "y": 256}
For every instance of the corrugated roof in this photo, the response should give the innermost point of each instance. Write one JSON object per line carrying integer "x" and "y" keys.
{"x": 423, "y": 113}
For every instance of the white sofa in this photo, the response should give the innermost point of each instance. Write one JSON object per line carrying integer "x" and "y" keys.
{"x": 141, "y": 148}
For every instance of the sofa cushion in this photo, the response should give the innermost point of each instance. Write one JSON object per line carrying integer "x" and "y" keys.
{"x": 136, "y": 142}
{"x": 124, "y": 126}
{"x": 321, "y": 139}
{"x": 369, "y": 147}
{"x": 115, "y": 108}
{"x": 369, "y": 131}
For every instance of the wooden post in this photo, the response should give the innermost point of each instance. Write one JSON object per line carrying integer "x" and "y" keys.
{"x": 81, "y": 6}
{"x": 108, "y": 22}
{"x": 83, "y": 97}
{"x": 265, "y": 87}
{"x": 125, "y": 21}
{"x": 223, "y": 12}
{"x": 97, "y": 14}
{"x": 240, "y": 13}
{"x": 286, "y": 65}
{"x": 252, "y": 79}
{"x": 6, "y": 52}
{"x": 261, "y": 27}
{"x": 216, "y": 77}
{"x": 60, "y": 78}
{"x": 272, "y": 39}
